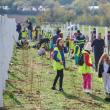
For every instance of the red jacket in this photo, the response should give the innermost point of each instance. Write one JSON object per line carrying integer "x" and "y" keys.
{"x": 87, "y": 59}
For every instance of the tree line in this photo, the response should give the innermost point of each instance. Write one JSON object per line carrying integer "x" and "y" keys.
{"x": 69, "y": 10}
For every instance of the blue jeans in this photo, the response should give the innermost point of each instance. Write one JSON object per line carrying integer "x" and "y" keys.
{"x": 30, "y": 34}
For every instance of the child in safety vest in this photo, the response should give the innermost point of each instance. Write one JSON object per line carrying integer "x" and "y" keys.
{"x": 86, "y": 69}
{"x": 59, "y": 63}
{"x": 24, "y": 40}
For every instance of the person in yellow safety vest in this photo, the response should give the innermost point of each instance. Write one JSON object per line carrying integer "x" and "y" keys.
{"x": 24, "y": 34}
{"x": 71, "y": 44}
{"x": 76, "y": 54}
{"x": 71, "y": 47}
{"x": 86, "y": 69}
{"x": 59, "y": 63}
{"x": 33, "y": 34}
{"x": 24, "y": 40}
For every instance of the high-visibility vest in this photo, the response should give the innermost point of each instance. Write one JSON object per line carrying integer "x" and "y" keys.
{"x": 81, "y": 41}
{"x": 24, "y": 34}
{"x": 71, "y": 44}
{"x": 85, "y": 68}
{"x": 57, "y": 65}
{"x": 33, "y": 34}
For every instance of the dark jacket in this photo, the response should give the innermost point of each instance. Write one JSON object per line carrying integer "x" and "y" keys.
{"x": 18, "y": 28}
{"x": 101, "y": 70}
{"x": 30, "y": 26}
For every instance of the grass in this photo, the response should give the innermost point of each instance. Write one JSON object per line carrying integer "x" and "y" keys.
{"x": 29, "y": 86}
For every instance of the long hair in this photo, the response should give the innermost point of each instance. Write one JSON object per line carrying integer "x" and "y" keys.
{"x": 104, "y": 57}
{"x": 57, "y": 44}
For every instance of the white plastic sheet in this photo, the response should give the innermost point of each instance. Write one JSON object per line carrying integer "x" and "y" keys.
{"x": 7, "y": 32}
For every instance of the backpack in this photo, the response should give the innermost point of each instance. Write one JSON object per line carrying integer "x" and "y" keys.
{"x": 81, "y": 59}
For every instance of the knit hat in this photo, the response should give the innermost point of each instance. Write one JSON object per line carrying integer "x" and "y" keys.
{"x": 88, "y": 46}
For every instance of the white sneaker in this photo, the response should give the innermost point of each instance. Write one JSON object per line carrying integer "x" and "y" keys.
{"x": 87, "y": 91}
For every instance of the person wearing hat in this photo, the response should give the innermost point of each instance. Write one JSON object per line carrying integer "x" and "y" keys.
{"x": 86, "y": 69}
{"x": 59, "y": 63}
